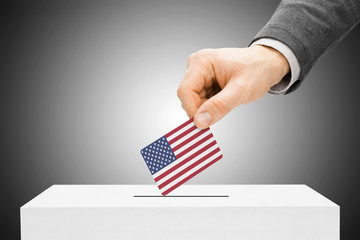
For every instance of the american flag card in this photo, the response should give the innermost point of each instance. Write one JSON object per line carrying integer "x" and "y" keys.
{"x": 180, "y": 155}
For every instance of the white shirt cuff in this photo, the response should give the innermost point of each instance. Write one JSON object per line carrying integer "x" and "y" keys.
{"x": 288, "y": 80}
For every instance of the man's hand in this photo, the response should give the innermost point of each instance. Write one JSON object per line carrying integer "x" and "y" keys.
{"x": 218, "y": 80}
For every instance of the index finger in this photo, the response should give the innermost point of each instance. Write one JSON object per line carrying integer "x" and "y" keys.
{"x": 191, "y": 91}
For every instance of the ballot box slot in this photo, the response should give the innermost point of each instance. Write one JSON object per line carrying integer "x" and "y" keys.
{"x": 182, "y": 196}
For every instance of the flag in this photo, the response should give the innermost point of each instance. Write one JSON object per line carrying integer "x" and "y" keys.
{"x": 180, "y": 154}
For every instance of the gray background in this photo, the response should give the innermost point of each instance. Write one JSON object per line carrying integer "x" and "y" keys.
{"x": 86, "y": 85}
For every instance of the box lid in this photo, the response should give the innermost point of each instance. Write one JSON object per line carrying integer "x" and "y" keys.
{"x": 66, "y": 196}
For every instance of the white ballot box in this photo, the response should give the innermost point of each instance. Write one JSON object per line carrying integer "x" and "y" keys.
{"x": 201, "y": 212}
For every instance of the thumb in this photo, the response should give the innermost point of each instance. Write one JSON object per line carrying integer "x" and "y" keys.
{"x": 217, "y": 106}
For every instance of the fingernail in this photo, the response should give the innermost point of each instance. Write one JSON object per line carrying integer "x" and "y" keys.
{"x": 204, "y": 119}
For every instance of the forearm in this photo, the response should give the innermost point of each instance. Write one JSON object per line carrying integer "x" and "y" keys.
{"x": 311, "y": 28}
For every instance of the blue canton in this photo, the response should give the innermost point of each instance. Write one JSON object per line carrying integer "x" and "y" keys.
{"x": 158, "y": 155}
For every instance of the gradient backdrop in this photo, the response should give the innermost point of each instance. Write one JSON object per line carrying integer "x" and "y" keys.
{"x": 86, "y": 85}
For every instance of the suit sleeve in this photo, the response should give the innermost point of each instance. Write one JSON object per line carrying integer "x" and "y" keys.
{"x": 311, "y": 28}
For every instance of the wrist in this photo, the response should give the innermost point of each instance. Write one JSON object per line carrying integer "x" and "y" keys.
{"x": 277, "y": 62}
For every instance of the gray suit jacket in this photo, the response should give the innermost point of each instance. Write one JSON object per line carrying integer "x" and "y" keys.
{"x": 310, "y": 28}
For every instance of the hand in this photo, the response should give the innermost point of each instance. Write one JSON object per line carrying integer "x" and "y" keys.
{"x": 218, "y": 80}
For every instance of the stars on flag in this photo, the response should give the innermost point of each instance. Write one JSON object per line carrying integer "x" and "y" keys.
{"x": 158, "y": 154}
